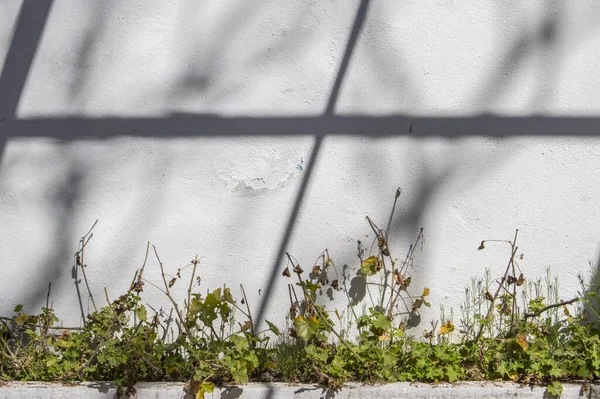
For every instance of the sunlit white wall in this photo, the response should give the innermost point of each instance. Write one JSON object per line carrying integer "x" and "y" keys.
{"x": 89, "y": 141}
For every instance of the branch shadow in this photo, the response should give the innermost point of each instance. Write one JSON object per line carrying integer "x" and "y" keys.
{"x": 30, "y": 25}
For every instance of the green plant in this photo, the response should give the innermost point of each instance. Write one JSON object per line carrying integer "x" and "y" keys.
{"x": 511, "y": 328}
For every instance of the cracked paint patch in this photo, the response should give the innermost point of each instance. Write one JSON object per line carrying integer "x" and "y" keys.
{"x": 262, "y": 169}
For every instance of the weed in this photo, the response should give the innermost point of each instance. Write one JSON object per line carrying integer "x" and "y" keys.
{"x": 510, "y": 328}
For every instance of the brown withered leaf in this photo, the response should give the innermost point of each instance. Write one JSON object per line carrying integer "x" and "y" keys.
{"x": 481, "y": 246}
{"x": 172, "y": 282}
{"x": 406, "y": 283}
{"x": 316, "y": 270}
{"x": 488, "y": 296}
{"x": 398, "y": 278}
{"x": 520, "y": 280}
{"x": 335, "y": 285}
{"x": 511, "y": 280}
{"x": 417, "y": 304}
{"x": 298, "y": 269}
{"x": 247, "y": 326}
{"x": 138, "y": 286}
{"x": 286, "y": 272}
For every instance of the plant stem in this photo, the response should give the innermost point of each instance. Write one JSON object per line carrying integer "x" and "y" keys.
{"x": 324, "y": 317}
{"x": 555, "y": 305}
{"x": 510, "y": 263}
{"x": 138, "y": 278}
{"x": 189, "y": 292}
{"x": 80, "y": 260}
{"x": 168, "y": 293}
{"x": 248, "y": 307}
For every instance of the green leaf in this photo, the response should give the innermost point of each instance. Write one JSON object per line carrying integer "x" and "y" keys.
{"x": 273, "y": 328}
{"x": 555, "y": 389}
{"x": 382, "y": 322}
{"x": 141, "y": 313}
{"x": 18, "y": 308}
{"x": 452, "y": 374}
{"x": 502, "y": 369}
{"x": 239, "y": 375}
{"x": 241, "y": 343}
{"x": 52, "y": 361}
{"x": 584, "y": 373}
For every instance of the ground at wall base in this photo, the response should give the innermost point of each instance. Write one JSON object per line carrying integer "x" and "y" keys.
{"x": 93, "y": 390}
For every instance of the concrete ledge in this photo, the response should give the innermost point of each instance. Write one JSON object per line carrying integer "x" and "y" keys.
{"x": 161, "y": 390}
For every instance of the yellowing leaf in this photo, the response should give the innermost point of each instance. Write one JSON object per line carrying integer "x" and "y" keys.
{"x": 446, "y": 328}
{"x": 21, "y": 319}
{"x": 205, "y": 387}
{"x": 384, "y": 337}
{"x": 425, "y": 292}
{"x": 301, "y": 326}
{"x": 371, "y": 265}
{"x": 522, "y": 341}
{"x": 171, "y": 368}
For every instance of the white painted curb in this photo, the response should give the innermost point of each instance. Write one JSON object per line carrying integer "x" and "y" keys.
{"x": 93, "y": 390}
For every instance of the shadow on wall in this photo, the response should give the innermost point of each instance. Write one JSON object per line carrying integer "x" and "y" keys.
{"x": 30, "y": 25}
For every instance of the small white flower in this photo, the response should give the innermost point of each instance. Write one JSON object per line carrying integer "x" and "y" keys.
{"x": 221, "y": 355}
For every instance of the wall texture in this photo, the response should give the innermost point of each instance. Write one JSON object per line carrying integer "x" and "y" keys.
{"x": 238, "y": 131}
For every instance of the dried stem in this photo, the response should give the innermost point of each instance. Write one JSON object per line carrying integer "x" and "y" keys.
{"x": 409, "y": 256}
{"x": 168, "y": 293}
{"x": 137, "y": 279}
{"x": 554, "y": 305}
{"x": 79, "y": 260}
{"x": 322, "y": 316}
{"x": 248, "y": 307}
{"x": 389, "y": 225}
{"x": 501, "y": 284}
{"x": 189, "y": 292}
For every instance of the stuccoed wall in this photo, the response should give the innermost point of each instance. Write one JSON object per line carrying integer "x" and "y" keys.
{"x": 237, "y": 131}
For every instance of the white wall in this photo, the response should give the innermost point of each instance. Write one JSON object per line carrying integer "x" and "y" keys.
{"x": 203, "y": 126}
